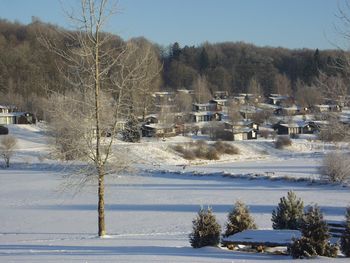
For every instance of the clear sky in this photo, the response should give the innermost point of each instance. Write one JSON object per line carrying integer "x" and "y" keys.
{"x": 285, "y": 23}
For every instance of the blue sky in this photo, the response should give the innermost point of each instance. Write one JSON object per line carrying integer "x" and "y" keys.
{"x": 286, "y": 23}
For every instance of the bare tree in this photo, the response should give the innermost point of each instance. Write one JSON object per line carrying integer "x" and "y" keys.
{"x": 255, "y": 89}
{"x": 201, "y": 91}
{"x": 8, "y": 145}
{"x": 282, "y": 85}
{"x": 336, "y": 167}
{"x": 307, "y": 96}
{"x": 101, "y": 75}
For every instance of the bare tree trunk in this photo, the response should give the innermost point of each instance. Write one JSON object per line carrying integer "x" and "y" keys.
{"x": 101, "y": 204}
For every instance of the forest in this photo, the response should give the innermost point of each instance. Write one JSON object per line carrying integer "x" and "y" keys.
{"x": 29, "y": 71}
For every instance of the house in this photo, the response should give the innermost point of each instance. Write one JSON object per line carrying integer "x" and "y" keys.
{"x": 158, "y": 130}
{"x": 163, "y": 97}
{"x": 17, "y": 118}
{"x": 205, "y": 116}
{"x": 4, "y": 109}
{"x": 277, "y": 99}
{"x": 300, "y": 127}
{"x": 248, "y": 112}
{"x": 292, "y": 110}
{"x": 220, "y": 94}
{"x": 326, "y": 108}
{"x": 219, "y": 104}
{"x": 240, "y": 134}
{"x": 197, "y": 107}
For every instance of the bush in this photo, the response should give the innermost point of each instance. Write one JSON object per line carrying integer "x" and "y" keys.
{"x": 336, "y": 167}
{"x": 8, "y": 144}
{"x": 265, "y": 133}
{"x": 189, "y": 155}
{"x": 282, "y": 141}
{"x": 206, "y": 230}
{"x": 239, "y": 219}
{"x": 212, "y": 154}
{"x": 315, "y": 240}
{"x": 226, "y": 148}
{"x": 289, "y": 213}
{"x": 345, "y": 238}
{"x": 4, "y": 130}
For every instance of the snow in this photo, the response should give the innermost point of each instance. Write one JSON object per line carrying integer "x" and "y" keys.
{"x": 149, "y": 213}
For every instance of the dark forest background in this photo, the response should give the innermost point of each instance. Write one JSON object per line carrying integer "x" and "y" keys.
{"x": 29, "y": 70}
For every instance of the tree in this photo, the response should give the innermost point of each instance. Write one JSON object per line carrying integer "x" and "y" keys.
{"x": 307, "y": 96}
{"x": 336, "y": 167}
{"x": 315, "y": 239}
{"x": 98, "y": 71}
{"x": 202, "y": 93}
{"x": 345, "y": 238}
{"x": 282, "y": 85}
{"x": 206, "y": 230}
{"x": 255, "y": 89}
{"x": 8, "y": 144}
{"x": 131, "y": 132}
{"x": 289, "y": 212}
{"x": 239, "y": 219}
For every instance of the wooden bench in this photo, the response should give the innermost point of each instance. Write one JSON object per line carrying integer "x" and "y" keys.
{"x": 262, "y": 238}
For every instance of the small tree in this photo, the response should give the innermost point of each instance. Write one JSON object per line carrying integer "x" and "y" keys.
{"x": 239, "y": 219}
{"x": 288, "y": 213}
{"x": 206, "y": 230}
{"x": 8, "y": 144}
{"x": 131, "y": 132}
{"x": 336, "y": 167}
{"x": 315, "y": 237}
{"x": 345, "y": 238}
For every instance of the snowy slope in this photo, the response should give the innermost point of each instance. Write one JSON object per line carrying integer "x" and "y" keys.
{"x": 149, "y": 214}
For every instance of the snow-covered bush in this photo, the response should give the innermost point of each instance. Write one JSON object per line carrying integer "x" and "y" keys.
{"x": 206, "y": 230}
{"x": 239, "y": 219}
{"x": 315, "y": 236}
{"x": 345, "y": 238}
{"x": 8, "y": 144}
{"x": 336, "y": 167}
{"x": 282, "y": 141}
{"x": 289, "y": 212}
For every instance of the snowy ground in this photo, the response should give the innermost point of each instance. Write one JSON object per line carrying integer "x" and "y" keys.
{"x": 149, "y": 213}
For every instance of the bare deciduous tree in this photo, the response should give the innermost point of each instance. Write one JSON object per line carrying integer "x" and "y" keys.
{"x": 8, "y": 145}
{"x": 201, "y": 90}
{"x": 102, "y": 76}
{"x": 336, "y": 167}
{"x": 282, "y": 85}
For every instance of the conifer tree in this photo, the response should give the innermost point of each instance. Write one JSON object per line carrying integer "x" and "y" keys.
{"x": 239, "y": 219}
{"x": 131, "y": 132}
{"x": 206, "y": 230}
{"x": 345, "y": 239}
{"x": 315, "y": 240}
{"x": 288, "y": 213}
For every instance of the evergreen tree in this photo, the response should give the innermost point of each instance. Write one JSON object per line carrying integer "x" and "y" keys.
{"x": 131, "y": 132}
{"x": 345, "y": 239}
{"x": 316, "y": 233}
{"x": 239, "y": 219}
{"x": 288, "y": 213}
{"x": 206, "y": 230}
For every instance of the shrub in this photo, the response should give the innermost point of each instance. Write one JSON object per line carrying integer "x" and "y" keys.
{"x": 265, "y": 133}
{"x": 345, "y": 238}
{"x": 212, "y": 154}
{"x": 226, "y": 148}
{"x": 289, "y": 212}
{"x": 8, "y": 144}
{"x": 282, "y": 141}
{"x": 239, "y": 219}
{"x": 189, "y": 155}
{"x": 201, "y": 149}
{"x": 336, "y": 167}
{"x": 206, "y": 230}
{"x": 315, "y": 240}
{"x": 4, "y": 130}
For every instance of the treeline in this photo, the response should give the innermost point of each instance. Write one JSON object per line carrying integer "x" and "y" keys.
{"x": 29, "y": 70}
{"x": 231, "y": 66}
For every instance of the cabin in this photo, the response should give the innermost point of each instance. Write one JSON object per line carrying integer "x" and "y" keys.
{"x": 158, "y": 130}
{"x": 220, "y": 94}
{"x": 241, "y": 133}
{"x": 205, "y": 116}
{"x": 17, "y": 118}
{"x": 292, "y": 110}
{"x": 296, "y": 128}
{"x": 326, "y": 108}
{"x": 198, "y": 107}
{"x": 277, "y": 99}
{"x": 219, "y": 104}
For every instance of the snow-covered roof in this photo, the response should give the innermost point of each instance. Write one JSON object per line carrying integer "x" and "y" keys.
{"x": 268, "y": 237}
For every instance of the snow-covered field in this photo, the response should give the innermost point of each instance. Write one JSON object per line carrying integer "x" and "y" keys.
{"x": 149, "y": 212}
